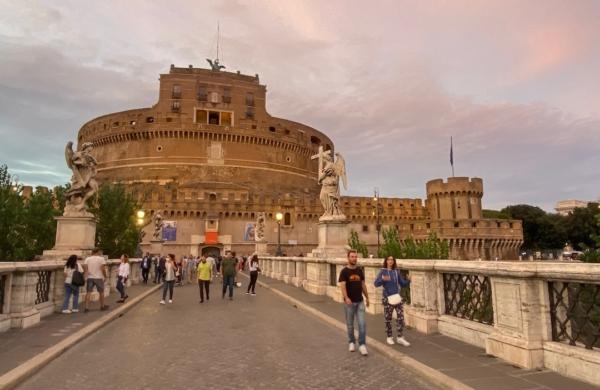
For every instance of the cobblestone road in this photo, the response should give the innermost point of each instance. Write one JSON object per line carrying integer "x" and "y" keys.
{"x": 249, "y": 343}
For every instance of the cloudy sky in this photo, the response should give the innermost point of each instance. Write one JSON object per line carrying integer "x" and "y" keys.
{"x": 516, "y": 83}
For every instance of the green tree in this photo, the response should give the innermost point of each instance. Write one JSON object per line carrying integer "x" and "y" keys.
{"x": 39, "y": 223}
{"x": 432, "y": 248}
{"x": 116, "y": 229}
{"x": 12, "y": 229}
{"x": 531, "y": 216}
{"x": 355, "y": 243}
{"x": 391, "y": 243}
{"x": 493, "y": 214}
{"x": 581, "y": 226}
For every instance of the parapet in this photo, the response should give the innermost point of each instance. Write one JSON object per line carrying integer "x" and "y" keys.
{"x": 455, "y": 185}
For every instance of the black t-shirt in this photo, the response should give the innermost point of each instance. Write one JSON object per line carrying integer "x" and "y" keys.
{"x": 354, "y": 279}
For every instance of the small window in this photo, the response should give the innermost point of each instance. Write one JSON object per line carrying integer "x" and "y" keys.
{"x": 175, "y": 106}
{"x": 149, "y": 119}
{"x": 115, "y": 124}
{"x": 201, "y": 116}
{"x": 169, "y": 119}
{"x": 202, "y": 93}
{"x": 287, "y": 131}
{"x": 474, "y": 224}
{"x": 226, "y": 119}
{"x": 227, "y": 95}
{"x": 458, "y": 204}
{"x": 213, "y": 117}
{"x": 428, "y": 225}
{"x": 250, "y": 99}
{"x": 272, "y": 129}
{"x": 249, "y": 112}
{"x": 159, "y": 148}
{"x": 315, "y": 140}
{"x": 498, "y": 224}
{"x": 253, "y": 127}
{"x": 212, "y": 197}
{"x": 287, "y": 219}
{"x": 456, "y": 224}
{"x": 176, "y": 92}
{"x": 365, "y": 228}
{"x": 132, "y": 123}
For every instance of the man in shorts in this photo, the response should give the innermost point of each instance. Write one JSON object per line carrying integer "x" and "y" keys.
{"x": 95, "y": 272}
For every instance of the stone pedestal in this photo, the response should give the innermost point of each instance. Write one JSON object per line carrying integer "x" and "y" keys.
{"x": 333, "y": 239}
{"x": 261, "y": 249}
{"x": 156, "y": 247}
{"x": 74, "y": 235}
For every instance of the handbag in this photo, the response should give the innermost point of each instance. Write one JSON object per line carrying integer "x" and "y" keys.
{"x": 394, "y": 299}
{"x": 77, "y": 279}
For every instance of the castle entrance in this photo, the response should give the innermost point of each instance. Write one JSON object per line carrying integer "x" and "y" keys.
{"x": 213, "y": 251}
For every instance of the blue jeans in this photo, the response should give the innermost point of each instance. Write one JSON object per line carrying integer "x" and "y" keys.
{"x": 228, "y": 282}
{"x": 356, "y": 309}
{"x": 71, "y": 290}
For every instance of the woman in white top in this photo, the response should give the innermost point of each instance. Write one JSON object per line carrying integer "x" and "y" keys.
{"x": 122, "y": 276}
{"x": 70, "y": 289}
{"x": 170, "y": 271}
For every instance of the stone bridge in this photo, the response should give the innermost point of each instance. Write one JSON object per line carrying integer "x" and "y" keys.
{"x": 480, "y": 325}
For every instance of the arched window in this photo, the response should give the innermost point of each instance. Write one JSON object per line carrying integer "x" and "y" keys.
{"x": 287, "y": 219}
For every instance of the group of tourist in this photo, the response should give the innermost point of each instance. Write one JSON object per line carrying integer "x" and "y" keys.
{"x": 169, "y": 271}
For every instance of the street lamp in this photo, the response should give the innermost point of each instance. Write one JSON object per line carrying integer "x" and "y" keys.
{"x": 279, "y": 218}
{"x": 141, "y": 222}
{"x": 377, "y": 213}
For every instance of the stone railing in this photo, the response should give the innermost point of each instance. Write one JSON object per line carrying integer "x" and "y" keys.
{"x": 534, "y": 314}
{"x": 34, "y": 289}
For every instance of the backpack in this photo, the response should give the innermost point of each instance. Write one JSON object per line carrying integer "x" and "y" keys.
{"x": 77, "y": 280}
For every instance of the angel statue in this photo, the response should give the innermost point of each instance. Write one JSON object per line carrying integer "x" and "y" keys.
{"x": 330, "y": 173}
{"x": 214, "y": 65}
{"x": 158, "y": 225}
{"x": 259, "y": 230}
{"x": 83, "y": 182}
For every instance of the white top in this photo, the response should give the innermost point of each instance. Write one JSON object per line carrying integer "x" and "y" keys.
{"x": 124, "y": 269}
{"x": 210, "y": 260}
{"x": 169, "y": 271}
{"x": 69, "y": 272}
{"x": 253, "y": 266}
{"x": 94, "y": 266}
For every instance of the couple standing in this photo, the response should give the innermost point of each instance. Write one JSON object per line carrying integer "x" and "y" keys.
{"x": 353, "y": 287}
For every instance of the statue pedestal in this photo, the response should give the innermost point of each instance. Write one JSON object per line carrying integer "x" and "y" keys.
{"x": 74, "y": 236}
{"x": 156, "y": 247}
{"x": 333, "y": 238}
{"x": 261, "y": 248}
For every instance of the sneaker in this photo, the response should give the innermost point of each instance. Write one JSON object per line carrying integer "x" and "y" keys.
{"x": 170, "y": 301}
{"x": 402, "y": 341}
{"x": 363, "y": 350}
{"x": 253, "y": 293}
{"x": 247, "y": 292}
{"x": 75, "y": 311}
{"x": 162, "y": 302}
{"x": 121, "y": 300}
{"x": 390, "y": 340}
{"x": 67, "y": 311}
{"x": 351, "y": 347}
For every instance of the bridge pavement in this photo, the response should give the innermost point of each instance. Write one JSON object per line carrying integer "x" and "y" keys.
{"x": 251, "y": 342}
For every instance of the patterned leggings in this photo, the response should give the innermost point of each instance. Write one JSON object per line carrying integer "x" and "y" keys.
{"x": 388, "y": 310}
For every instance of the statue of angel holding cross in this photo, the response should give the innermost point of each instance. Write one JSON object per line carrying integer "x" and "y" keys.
{"x": 330, "y": 173}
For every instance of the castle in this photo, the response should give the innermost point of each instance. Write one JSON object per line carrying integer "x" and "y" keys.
{"x": 209, "y": 158}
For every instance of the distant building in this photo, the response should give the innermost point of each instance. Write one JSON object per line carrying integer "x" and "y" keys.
{"x": 566, "y": 207}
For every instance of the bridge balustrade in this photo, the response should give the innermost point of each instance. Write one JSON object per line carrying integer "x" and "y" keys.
{"x": 535, "y": 314}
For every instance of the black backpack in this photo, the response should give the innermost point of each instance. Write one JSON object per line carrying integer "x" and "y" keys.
{"x": 77, "y": 280}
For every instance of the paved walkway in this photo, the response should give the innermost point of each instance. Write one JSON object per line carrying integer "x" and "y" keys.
{"x": 17, "y": 346}
{"x": 251, "y": 342}
{"x": 462, "y": 361}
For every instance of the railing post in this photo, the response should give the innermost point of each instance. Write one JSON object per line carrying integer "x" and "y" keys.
{"x": 317, "y": 276}
{"x": 23, "y": 313}
{"x": 5, "y": 291}
{"x": 425, "y": 292}
{"x": 521, "y": 321}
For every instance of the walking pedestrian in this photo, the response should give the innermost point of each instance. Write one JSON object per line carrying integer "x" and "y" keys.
{"x": 183, "y": 268}
{"x": 228, "y": 270}
{"x": 205, "y": 274}
{"x": 254, "y": 270}
{"x": 192, "y": 266}
{"x": 146, "y": 264}
{"x": 71, "y": 288}
{"x": 122, "y": 276}
{"x": 95, "y": 272}
{"x": 160, "y": 269}
{"x": 392, "y": 281}
{"x": 352, "y": 284}
{"x": 170, "y": 270}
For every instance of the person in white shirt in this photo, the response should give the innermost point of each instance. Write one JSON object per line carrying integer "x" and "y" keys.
{"x": 170, "y": 272}
{"x": 95, "y": 272}
{"x": 70, "y": 288}
{"x": 122, "y": 276}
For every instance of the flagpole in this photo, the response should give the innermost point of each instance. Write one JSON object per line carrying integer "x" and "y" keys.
{"x": 451, "y": 156}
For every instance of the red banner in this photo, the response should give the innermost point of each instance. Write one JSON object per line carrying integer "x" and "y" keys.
{"x": 211, "y": 237}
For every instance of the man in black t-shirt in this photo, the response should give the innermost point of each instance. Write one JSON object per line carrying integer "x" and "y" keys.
{"x": 352, "y": 284}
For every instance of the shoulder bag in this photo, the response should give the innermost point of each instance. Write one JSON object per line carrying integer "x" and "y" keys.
{"x": 77, "y": 279}
{"x": 394, "y": 299}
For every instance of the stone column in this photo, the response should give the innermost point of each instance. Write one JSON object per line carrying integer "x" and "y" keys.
{"x": 23, "y": 313}
{"x": 317, "y": 274}
{"x": 423, "y": 312}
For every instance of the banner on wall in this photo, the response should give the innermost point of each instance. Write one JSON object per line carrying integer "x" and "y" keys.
{"x": 249, "y": 231}
{"x": 169, "y": 231}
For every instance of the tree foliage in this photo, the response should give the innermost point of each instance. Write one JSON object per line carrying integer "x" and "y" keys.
{"x": 355, "y": 243}
{"x": 431, "y": 248}
{"x": 116, "y": 229}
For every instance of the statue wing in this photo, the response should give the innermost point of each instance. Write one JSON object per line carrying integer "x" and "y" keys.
{"x": 340, "y": 169}
{"x": 69, "y": 154}
{"x": 211, "y": 63}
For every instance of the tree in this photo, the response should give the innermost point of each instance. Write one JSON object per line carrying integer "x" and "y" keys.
{"x": 116, "y": 229}
{"x": 581, "y": 226}
{"x": 493, "y": 214}
{"x": 431, "y": 248}
{"x": 391, "y": 243}
{"x": 355, "y": 243}
{"x": 12, "y": 230}
{"x": 531, "y": 216}
{"x": 39, "y": 223}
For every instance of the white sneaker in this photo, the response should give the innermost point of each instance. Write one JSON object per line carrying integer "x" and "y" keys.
{"x": 390, "y": 340}
{"x": 363, "y": 350}
{"x": 170, "y": 301}
{"x": 66, "y": 311}
{"x": 75, "y": 311}
{"x": 351, "y": 347}
{"x": 162, "y": 301}
{"x": 402, "y": 341}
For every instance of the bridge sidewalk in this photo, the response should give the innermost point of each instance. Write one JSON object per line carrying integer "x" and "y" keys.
{"x": 459, "y": 360}
{"x": 19, "y": 345}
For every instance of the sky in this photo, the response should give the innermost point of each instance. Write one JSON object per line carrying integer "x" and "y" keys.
{"x": 515, "y": 83}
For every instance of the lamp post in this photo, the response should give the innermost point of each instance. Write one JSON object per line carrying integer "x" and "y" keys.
{"x": 279, "y": 218}
{"x": 140, "y": 222}
{"x": 377, "y": 213}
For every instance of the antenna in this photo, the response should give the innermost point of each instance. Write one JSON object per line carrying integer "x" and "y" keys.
{"x": 218, "y": 33}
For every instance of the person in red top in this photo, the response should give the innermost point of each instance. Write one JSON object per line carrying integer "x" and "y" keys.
{"x": 352, "y": 284}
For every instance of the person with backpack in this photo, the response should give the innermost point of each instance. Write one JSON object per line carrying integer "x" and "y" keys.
{"x": 73, "y": 281}
{"x": 122, "y": 276}
{"x": 392, "y": 281}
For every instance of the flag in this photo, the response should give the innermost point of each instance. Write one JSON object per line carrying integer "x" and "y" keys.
{"x": 451, "y": 153}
